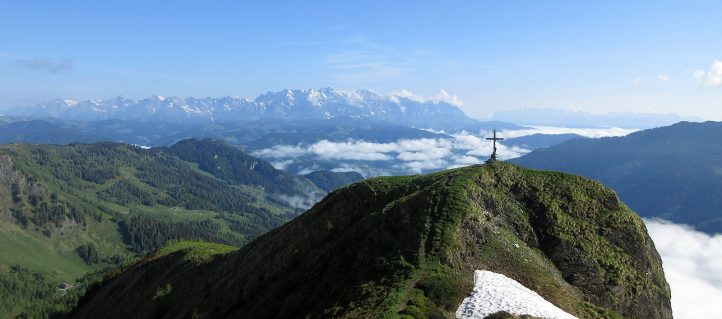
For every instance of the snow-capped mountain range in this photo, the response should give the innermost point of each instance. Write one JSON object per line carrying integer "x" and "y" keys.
{"x": 403, "y": 108}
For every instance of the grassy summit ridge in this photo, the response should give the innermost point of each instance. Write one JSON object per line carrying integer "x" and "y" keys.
{"x": 408, "y": 246}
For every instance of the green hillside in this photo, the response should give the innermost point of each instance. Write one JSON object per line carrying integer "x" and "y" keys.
{"x": 228, "y": 163}
{"x": 69, "y": 211}
{"x": 407, "y": 247}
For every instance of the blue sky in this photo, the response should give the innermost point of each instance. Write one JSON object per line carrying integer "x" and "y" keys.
{"x": 597, "y": 56}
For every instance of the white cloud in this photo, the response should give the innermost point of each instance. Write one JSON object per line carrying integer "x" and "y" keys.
{"x": 711, "y": 78}
{"x": 478, "y": 146}
{"x": 408, "y": 95}
{"x": 413, "y": 155}
{"x": 467, "y": 160}
{"x": 308, "y": 170}
{"x": 300, "y": 201}
{"x": 714, "y": 76}
{"x": 280, "y": 151}
{"x": 344, "y": 169}
{"x": 407, "y": 156}
{"x": 420, "y": 166}
{"x": 698, "y": 75}
{"x": 435, "y": 153}
{"x": 356, "y": 150}
{"x": 282, "y": 164}
{"x": 663, "y": 77}
{"x": 442, "y": 96}
{"x": 692, "y": 264}
{"x": 586, "y": 132}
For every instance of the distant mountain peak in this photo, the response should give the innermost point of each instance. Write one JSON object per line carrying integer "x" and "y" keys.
{"x": 403, "y": 107}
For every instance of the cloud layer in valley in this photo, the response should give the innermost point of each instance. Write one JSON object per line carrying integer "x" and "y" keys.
{"x": 586, "y": 132}
{"x": 692, "y": 263}
{"x": 410, "y": 156}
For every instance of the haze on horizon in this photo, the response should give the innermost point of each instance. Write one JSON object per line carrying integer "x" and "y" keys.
{"x": 598, "y": 57}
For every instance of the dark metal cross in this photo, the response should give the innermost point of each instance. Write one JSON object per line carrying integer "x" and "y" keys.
{"x": 493, "y": 154}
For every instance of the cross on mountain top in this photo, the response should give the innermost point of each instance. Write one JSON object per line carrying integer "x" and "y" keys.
{"x": 493, "y": 159}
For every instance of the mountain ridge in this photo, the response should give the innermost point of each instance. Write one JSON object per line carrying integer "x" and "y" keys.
{"x": 287, "y": 104}
{"x": 568, "y": 118}
{"x": 407, "y": 247}
{"x": 669, "y": 172}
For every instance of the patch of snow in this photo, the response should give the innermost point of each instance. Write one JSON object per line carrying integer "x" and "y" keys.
{"x": 314, "y": 97}
{"x": 408, "y": 95}
{"x": 444, "y": 96}
{"x": 189, "y": 109}
{"x": 495, "y": 292}
{"x": 289, "y": 96}
{"x": 395, "y": 100}
{"x": 70, "y": 102}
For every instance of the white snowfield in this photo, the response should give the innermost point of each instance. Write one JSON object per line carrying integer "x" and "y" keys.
{"x": 495, "y": 292}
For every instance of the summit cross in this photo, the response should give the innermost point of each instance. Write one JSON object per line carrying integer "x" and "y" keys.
{"x": 493, "y": 159}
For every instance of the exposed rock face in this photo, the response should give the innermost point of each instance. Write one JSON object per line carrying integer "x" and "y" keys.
{"x": 408, "y": 247}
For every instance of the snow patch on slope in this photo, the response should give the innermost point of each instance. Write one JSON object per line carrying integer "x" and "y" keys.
{"x": 495, "y": 292}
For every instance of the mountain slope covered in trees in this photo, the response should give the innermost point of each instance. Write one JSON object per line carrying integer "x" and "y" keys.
{"x": 407, "y": 247}
{"x": 68, "y": 211}
{"x": 230, "y": 164}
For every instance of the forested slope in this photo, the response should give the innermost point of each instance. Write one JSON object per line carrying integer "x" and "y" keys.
{"x": 67, "y": 211}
